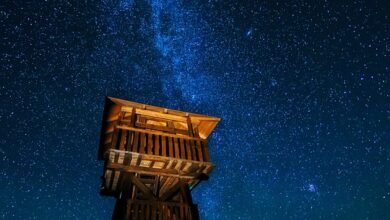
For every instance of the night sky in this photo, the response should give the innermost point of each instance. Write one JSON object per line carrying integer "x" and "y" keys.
{"x": 302, "y": 89}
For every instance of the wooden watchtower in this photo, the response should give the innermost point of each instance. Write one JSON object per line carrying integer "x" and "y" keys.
{"x": 153, "y": 157}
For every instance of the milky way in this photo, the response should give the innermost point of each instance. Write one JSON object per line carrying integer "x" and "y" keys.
{"x": 302, "y": 89}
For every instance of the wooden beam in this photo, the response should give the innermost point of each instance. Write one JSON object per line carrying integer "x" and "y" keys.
{"x": 129, "y": 141}
{"x": 163, "y": 146}
{"x": 186, "y": 193}
{"x": 157, "y": 158}
{"x": 147, "y": 192}
{"x": 205, "y": 150}
{"x": 171, "y": 192}
{"x": 123, "y": 140}
{"x": 150, "y": 144}
{"x": 189, "y": 125}
{"x": 157, "y": 133}
{"x": 157, "y": 145}
{"x": 143, "y": 143}
{"x": 126, "y": 109}
{"x": 132, "y": 120}
{"x": 182, "y": 149}
{"x": 199, "y": 149}
{"x": 170, "y": 147}
{"x": 177, "y": 152}
{"x": 151, "y": 171}
{"x": 161, "y": 115}
{"x": 135, "y": 143}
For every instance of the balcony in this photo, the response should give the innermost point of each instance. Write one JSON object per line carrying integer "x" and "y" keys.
{"x": 160, "y": 144}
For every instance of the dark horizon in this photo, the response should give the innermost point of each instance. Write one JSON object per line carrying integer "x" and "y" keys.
{"x": 302, "y": 90}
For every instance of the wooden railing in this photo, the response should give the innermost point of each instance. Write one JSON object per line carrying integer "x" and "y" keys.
{"x": 151, "y": 210}
{"x": 160, "y": 144}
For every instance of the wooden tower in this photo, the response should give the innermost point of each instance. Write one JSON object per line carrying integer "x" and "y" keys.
{"x": 153, "y": 157}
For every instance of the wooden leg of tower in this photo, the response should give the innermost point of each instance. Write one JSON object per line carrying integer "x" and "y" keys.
{"x": 186, "y": 193}
{"x": 191, "y": 210}
{"x": 154, "y": 211}
{"x": 194, "y": 212}
{"x": 120, "y": 210}
{"x": 128, "y": 210}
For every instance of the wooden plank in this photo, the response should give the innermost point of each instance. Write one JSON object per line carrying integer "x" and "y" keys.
{"x": 123, "y": 139}
{"x": 184, "y": 212}
{"x": 116, "y": 156}
{"x": 196, "y": 132}
{"x": 154, "y": 127}
{"x": 199, "y": 150}
{"x": 129, "y": 141}
{"x": 154, "y": 158}
{"x": 177, "y": 151}
{"x": 107, "y": 178}
{"x": 151, "y": 171}
{"x": 171, "y": 153}
{"x": 177, "y": 212}
{"x": 168, "y": 164}
{"x": 157, "y": 145}
{"x": 147, "y": 212}
{"x": 151, "y": 164}
{"x": 193, "y": 150}
{"x": 164, "y": 212}
{"x": 119, "y": 186}
{"x": 142, "y": 209}
{"x": 136, "y": 209}
{"x": 170, "y": 181}
{"x": 208, "y": 169}
{"x": 128, "y": 210}
{"x": 186, "y": 193}
{"x": 171, "y": 191}
{"x": 183, "y": 132}
{"x": 115, "y": 180}
{"x": 126, "y": 109}
{"x": 154, "y": 211}
{"x": 156, "y": 185}
{"x": 133, "y": 118}
{"x": 150, "y": 144}
{"x": 162, "y": 184}
{"x": 159, "y": 211}
{"x": 114, "y": 141}
{"x": 182, "y": 149}
{"x": 188, "y": 149}
{"x": 139, "y": 159}
{"x": 189, "y": 125}
{"x": 160, "y": 115}
{"x": 156, "y": 132}
{"x": 135, "y": 143}
{"x": 143, "y": 143}
{"x": 111, "y": 180}
{"x": 121, "y": 157}
{"x": 163, "y": 146}
{"x": 134, "y": 158}
{"x": 178, "y": 165}
{"x": 112, "y": 118}
{"x": 112, "y": 156}
{"x": 186, "y": 167}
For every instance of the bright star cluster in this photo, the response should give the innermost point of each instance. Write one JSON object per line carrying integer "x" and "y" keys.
{"x": 302, "y": 88}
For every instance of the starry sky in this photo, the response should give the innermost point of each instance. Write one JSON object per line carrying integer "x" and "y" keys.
{"x": 302, "y": 88}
